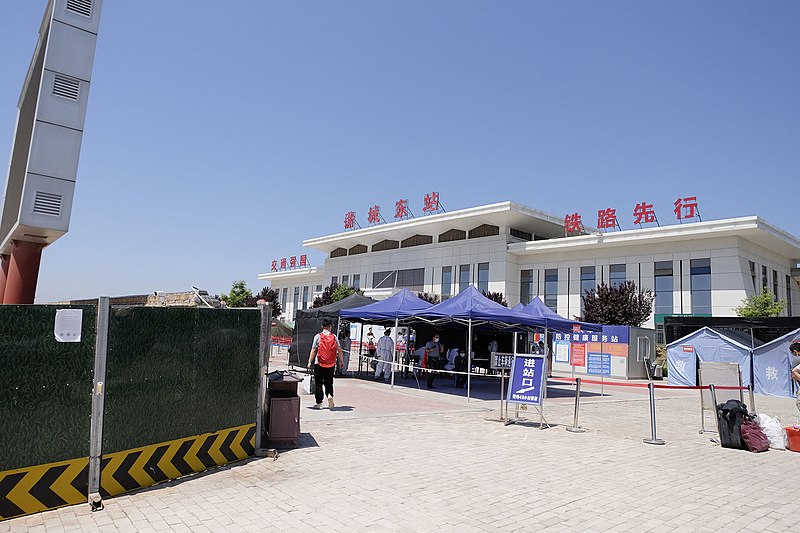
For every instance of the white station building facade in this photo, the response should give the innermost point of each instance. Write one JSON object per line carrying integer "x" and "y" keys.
{"x": 703, "y": 268}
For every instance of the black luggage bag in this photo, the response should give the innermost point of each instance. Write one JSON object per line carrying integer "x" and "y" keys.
{"x": 729, "y": 420}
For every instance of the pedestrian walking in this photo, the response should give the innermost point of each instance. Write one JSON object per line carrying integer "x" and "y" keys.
{"x": 385, "y": 356}
{"x": 325, "y": 352}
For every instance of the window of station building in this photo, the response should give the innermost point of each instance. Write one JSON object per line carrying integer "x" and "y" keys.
{"x": 788, "y": 296}
{"x": 775, "y": 283}
{"x": 463, "y": 277}
{"x": 334, "y": 280}
{"x": 357, "y": 249}
{"x": 483, "y": 277}
{"x": 551, "y": 288}
{"x": 617, "y": 275}
{"x": 412, "y": 279}
{"x": 588, "y": 282}
{"x": 763, "y": 279}
{"x": 295, "y": 302}
{"x": 387, "y": 244}
{"x": 519, "y": 234}
{"x": 753, "y": 275}
{"x": 339, "y": 252}
{"x": 416, "y": 240}
{"x": 318, "y": 289}
{"x": 664, "y": 293}
{"x": 447, "y": 282}
{"x": 525, "y": 286}
{"x": 305, "y": 297}
{"x": 484, "y": 230}
{"x": 453, "y": 235}
{"x": 346, "y": 280}
{"x": 700, "y": 270}
{"x": 356, "y": 281}
{"x": 284, "y": 297}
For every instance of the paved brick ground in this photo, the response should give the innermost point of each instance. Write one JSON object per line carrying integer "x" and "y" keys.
{"x": 416, "y": 460}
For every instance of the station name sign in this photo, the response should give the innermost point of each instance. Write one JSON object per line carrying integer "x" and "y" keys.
{"x": 431, "y": 205}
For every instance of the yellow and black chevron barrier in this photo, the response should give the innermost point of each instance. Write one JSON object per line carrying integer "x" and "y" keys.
{"x": 141, "y": 467}
{"x": 42, "y": 487}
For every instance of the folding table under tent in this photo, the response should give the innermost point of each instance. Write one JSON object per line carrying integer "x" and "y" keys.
{"x": 772, "y": 366}
{"x": 309, "y": 322}
{"x": 709, "y": 345}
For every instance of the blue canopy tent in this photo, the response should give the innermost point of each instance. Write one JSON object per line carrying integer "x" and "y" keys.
{"x": 772, "y": 366}
{"x": 705, "y": 344}
{"x": 472, "y": 308}
{"x": 402, "y": 305}
{"x": 553, "y": 320}
{"x": 518, "y": 307}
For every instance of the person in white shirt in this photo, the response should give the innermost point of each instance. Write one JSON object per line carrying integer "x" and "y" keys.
{"x": 385, "y": 356}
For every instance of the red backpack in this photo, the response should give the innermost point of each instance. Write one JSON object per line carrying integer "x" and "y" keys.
{"x": 327, "y": 350}
{"x": 753, "y": 436}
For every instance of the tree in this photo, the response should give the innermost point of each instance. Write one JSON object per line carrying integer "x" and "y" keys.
{"x": 430, "y": 298}
{"x": 622, "y": 305}
{"x": 763, "y": 304}
{"x": 496, "y": 297}
{"x": 333, "y": 293}
{"x": 239, "y": 295}
{"x": 271, "y": 296}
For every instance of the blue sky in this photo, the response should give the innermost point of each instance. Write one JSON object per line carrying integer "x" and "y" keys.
{"x": 219, "y": 136}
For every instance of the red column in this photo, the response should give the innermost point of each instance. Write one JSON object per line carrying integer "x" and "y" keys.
{"x": 4, "y": 260}
{"x": 23, "y": 273}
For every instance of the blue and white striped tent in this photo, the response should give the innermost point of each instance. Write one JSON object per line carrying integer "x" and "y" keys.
{"x": 705, "y": 344}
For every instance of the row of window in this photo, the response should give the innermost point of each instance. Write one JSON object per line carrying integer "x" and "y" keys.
{"x": 757, "y": 288}
{"x": 484, "y": 230}
{"x": 464, "y": 279}
{"x": 700, "y": 279}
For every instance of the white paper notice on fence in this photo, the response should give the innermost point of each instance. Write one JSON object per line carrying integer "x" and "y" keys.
{"x": 68, "y": 325}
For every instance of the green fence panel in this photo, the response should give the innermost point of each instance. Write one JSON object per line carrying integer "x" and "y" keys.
{"x": 45, "y": 386}
{"x": 178, "y": 372}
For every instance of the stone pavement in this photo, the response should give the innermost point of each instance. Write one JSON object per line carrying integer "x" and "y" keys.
{"x": 419, "y": 460}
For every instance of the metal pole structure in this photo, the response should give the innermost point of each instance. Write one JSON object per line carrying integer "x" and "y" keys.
{"x": 98, "y": 404}
{"x": 752, "y": 398}
{"x": 469, "y": 356}
{"x": 653, "y": 439}
{"x": 714, "y": 399}
{"x": 264, "y": 348}
{"x": 575, "y": 427}
{"x": 394, "y": 354}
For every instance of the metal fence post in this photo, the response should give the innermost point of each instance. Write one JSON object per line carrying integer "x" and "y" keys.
{"x": 98, "y": 404}
{"x": 653, "y": 439}
{"x": 752, "y": 398}
{"x": 264, "y": 349}
{"x": 575, "y": 427}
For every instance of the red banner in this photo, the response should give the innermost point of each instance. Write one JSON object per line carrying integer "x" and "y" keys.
{"x": 579, "y": 353}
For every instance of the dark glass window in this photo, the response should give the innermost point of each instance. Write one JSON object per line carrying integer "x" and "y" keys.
{"x": 483, "y": 277}
{"x": 617, "y": 275}
{"x": 700, "y": 270}
{"x": 526, "y": 286}
{"x": 463, "y": 277}
{"x": 551, "y": 288}
{"x": 664, "y": 294}
{"x": 447, "y": 282}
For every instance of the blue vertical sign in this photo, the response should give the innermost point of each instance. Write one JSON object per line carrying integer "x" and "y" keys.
{"x": 527, "y": 380}
{"x": 598, "y": 364}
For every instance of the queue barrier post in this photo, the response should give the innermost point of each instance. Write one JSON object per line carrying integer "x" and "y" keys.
{"x": 575, "y": 427}
{"x": 752, "y": 398}
{"x": 653, "y": 438}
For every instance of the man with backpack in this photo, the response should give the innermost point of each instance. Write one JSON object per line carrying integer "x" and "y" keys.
{"x": 325, "y": 352}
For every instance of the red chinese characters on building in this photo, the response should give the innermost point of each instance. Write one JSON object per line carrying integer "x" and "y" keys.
{"x": 572, "y": 223}
{"x": 303, "y": 261}
{"x": 643, "y": 212}
{"x": 374, "y": 215}
{"x": 274, "y": 265}
{"x": 401, "y": 209}
{"x": 686, "y": 207}
{"x": 293, "y": 262}
{"x": 607, "y": 218}
{"x": 350, "y": 220}
{"x": 431, "y": 202}
{"x": 283, "y": 264}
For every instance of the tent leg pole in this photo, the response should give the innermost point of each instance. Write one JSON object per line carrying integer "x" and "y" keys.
{"x": 394, "y": 354}
{"x": 469, "y": 357}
